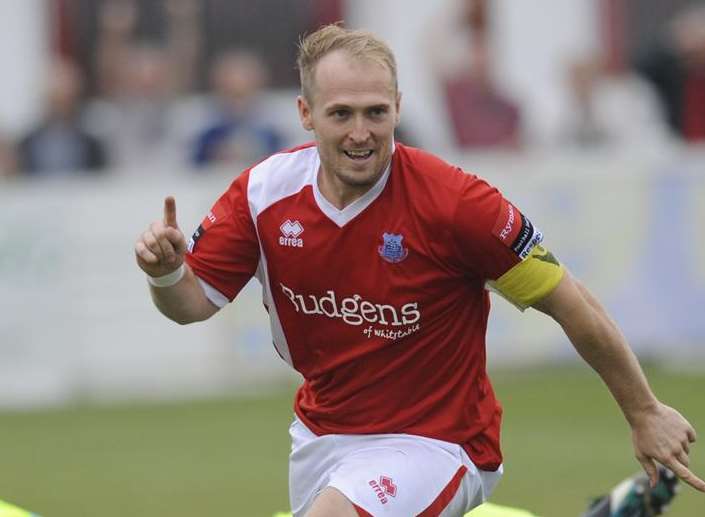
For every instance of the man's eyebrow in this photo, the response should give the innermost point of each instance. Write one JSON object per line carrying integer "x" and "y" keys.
{"x": 384, "y": 105}
{"x": 334, "y": 107}
{"x": 339, "y": 106}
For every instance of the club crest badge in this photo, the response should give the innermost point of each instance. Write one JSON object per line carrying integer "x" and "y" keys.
{"x": 393, "y": 250}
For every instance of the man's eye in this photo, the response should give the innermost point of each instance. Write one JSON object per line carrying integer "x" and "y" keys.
{"x": 378, "y": 112}
{"x": 340, "y": 114}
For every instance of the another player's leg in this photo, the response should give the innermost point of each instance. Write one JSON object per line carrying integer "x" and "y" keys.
{"x": 495, "y": 510}
{"x": 634, "y": 497}
{"x": 10, "y": 510}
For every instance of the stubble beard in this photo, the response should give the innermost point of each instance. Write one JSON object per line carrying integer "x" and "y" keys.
{"x": 355, "y": 179}
{"x": 362, "y": 178}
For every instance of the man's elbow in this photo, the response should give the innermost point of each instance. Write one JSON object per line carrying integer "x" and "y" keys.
{"x": 185, "y": 318}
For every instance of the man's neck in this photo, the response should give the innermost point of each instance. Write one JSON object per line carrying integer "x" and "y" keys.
{"x": 337, "y": 193}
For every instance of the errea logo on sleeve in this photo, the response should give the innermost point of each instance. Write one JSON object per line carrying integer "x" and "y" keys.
{"x": 290, "y": 234}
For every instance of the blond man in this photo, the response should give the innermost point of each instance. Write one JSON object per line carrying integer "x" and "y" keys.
{"x": 374, "y": 259}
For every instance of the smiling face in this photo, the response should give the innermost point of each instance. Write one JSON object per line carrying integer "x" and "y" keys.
{"x": 353, "y": 111}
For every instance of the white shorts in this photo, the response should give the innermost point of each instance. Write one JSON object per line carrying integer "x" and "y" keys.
{"x": 386, "y": 474}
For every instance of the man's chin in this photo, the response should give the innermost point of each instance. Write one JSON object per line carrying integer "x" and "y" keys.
{"x": 358, "y": 179}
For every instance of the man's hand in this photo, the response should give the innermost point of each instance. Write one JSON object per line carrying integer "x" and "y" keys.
{"x": 161, "y": 249}
{"x": 663, "y": 435}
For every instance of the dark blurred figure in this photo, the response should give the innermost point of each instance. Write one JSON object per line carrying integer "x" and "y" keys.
{"x": 481, "y": 115}
{"x": 59, "y": 144}
{"x": 676, "y": 68}
{"x": 236, "y": 129}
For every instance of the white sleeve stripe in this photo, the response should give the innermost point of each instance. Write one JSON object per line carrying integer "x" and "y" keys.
{"x": 278, "y": 336}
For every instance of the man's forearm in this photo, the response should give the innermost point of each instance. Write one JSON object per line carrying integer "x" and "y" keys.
{"x": 600, "y": 343}
{"x": 184, "y": 302}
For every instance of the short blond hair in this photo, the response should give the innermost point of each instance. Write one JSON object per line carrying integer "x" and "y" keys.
{"x": 329, "y": 38}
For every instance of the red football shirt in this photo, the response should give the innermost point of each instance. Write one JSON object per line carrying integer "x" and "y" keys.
{"x": 381, "y": 306}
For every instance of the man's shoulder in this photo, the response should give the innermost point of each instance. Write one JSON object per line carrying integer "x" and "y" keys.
{"x": 433, "y": 171}
{"x": 282, "y": 165}
{"x": 281, "y": 175}
{"x": 420, "y": 158}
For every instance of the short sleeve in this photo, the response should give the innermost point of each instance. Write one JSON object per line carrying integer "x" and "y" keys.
{"x": 492, "y": 234}
{"x": 224, "y": 251}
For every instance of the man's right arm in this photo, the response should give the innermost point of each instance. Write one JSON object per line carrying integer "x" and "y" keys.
{"x": 184, "y": 302}
{"x": 174, "y": 287}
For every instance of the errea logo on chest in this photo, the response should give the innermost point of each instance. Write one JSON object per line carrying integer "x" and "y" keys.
{"x": 290, "y": 234}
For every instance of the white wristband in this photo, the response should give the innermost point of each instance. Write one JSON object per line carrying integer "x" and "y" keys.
{"x": 169, "y": 279}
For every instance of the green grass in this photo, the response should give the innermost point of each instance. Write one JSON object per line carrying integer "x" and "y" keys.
{"x": 564, "y": 440}
{"x": 223, "y": 457}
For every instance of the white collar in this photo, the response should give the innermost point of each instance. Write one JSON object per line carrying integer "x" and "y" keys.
{"x": 348, "y": 213}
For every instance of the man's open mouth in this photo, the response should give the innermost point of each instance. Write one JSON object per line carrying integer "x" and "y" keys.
{"x": 358, "y": 155}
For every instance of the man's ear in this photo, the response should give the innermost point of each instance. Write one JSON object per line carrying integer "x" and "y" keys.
{"x": 398, "y": 106}
{"x": 304, "y": 113}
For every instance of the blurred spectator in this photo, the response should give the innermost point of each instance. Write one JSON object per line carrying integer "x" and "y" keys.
{"x": 138, "y": 112}
{"x": 676, "y": 68}
{"x": 59, "y": 144}
{"x": 615, "y": 107}
{"x": 613, "y": 104}
{"x": 135, "y": 119}
{"x": 185, "y": 41}
{"x": 116, "y": 22}
{"x": 237, "y": 130}
{"x": 481, "y": 115}
{"x": 8, "y": 158}
{"x": 118, "y": 34}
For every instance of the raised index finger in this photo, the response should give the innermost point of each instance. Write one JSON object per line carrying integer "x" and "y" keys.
{"x": 170, "y": 212}
{"x": 687, "y": 476}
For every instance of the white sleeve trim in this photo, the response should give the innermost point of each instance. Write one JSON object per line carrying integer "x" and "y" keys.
{"x": 492, "y": 287}
{"x": 215, "y": 296}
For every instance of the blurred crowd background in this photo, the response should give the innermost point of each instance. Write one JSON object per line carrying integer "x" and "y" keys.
{"x": 142, "y": 85}
{"x": 589, "y": 114}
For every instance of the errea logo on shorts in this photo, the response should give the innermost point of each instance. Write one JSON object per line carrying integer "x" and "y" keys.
{"x": 290, "y": 234}
{"x": 385, "y": 487}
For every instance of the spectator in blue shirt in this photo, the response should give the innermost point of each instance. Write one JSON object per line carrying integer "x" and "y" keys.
{"x": 237, "y": 130}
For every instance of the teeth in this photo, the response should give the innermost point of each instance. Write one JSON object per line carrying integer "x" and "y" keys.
{"x": 358, "y": 154}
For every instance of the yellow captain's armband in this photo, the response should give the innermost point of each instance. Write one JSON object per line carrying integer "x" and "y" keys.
{"x": 530, "y": 280}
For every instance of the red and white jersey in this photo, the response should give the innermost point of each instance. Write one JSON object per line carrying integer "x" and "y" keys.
{"x": 381, "y": 306}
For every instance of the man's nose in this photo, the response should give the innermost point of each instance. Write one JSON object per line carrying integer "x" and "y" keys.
{"x": 360, "y": 131}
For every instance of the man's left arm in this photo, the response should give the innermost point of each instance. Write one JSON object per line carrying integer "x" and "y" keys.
{"x": 659, "y": 432}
